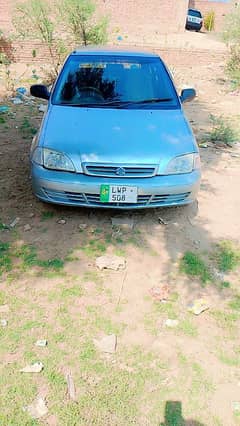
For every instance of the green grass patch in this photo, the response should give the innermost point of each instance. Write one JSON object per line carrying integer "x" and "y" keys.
{"x": 231, "y": 361}
{"x": 222, "y": 131}
{"x": 94, "y": 248}
{"x": 225, "y": 320}
{"x": 191, "y": 264}
{"x": 227, "y": 256}
{"x": 5, "y": 258}
{"x": 47, "y": 215}
{"x": 188, "y": 328}
{"x": 75, "y": 291}
{"x": 235, "y": 303}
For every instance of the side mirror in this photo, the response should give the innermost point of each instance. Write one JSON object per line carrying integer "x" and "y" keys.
{"x": 40, "y": 91}
{"x": 187, "y": 95}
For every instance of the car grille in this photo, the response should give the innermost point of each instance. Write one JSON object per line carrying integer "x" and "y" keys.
{"x": 82, "y": 199}
{"x": 118, "y": 171}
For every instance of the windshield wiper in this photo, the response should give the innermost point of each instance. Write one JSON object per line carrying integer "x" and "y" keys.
{"x": 152, "y": 100}
{"x": 118, "y": 104}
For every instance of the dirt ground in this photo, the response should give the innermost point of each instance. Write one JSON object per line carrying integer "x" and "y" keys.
{"x": 199, "y": 360}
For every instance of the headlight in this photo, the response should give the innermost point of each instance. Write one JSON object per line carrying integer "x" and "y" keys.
{"x": 52, "y": 159}
{"x": 183, "y": 164}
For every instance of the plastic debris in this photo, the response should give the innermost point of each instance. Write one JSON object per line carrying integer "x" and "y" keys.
{"x": 160, "y": 293}
{"x": 3, "y": 323}
{"x": 41, "y": 343}
{"x": 4, "y": 108}
{"x": 27, "y": 227}
{"x": 4, "y": 309}
{"x": 162, "y": 221}
{"x": 37, "y": 409}
{"x": 171, "y": 323}
{"x": 61, "y": 221}
{"x": 71, "y": 387}
{"x": 203, "y": 145}
{"x": 82, "y": 226}
{"x": 198, "y": 306}
{"x": 107, "y": 344}
{"x": 21, "y": 90}
{"x": 42, "y": 108}
{"x": 120, "y": 38}
{"x": 14, "y": 222}
{"x": 16, "y": 101}
{"x": 115, "y": 263}
{"x": 37, "y": 367}
{"x": 236, "y": 406}
{"x": 123, "y": 222}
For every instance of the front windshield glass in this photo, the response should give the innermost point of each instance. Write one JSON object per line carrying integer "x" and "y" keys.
{"x": 115, "y": 81}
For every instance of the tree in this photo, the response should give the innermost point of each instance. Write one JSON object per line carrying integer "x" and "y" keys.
{"x": 59, "y": 25}
{"x": 231, "y": 36}
{"x": 78, "y": 18}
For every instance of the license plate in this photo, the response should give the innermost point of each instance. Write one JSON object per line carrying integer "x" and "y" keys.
{"x": 194, "y": 19}
{"x": 118, "y": 194}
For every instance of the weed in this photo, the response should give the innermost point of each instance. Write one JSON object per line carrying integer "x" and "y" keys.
{"x": 3, "y": 226}
{"x": 92, "y": 276}
{"x": 54, "y": 264}
{"x": 225, "y": 284}
{"x": 209, "y": 21}
{"x": 188, "y": 328}
{"x": 235, "y": 303}
{"x": 194, "y": 266}
{"x": 27, "y": 129}
{"x": 231, "y": 361}
{"x": 5, "y": 258}
{"x": 94, "y": 248}
{"x": 227, "y": 256}
{"x": 222, "y": 132}
{"x": 75, "y": 291}
{"x": 226, "y": 320}
{"x": 47, "y": 215}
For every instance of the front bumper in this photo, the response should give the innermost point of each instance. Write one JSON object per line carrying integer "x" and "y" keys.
{"x": 82, "y": 190}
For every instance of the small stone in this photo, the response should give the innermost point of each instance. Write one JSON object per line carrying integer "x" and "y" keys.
{"x": 31, "y": 215}
{"x": 27, "y": 227}
{"x": 107, "y": 344}
{"x": 14, "y": 222}
{"x": 41, "y": 343}
{"x": 3, "y": 323}
{"x": 115, "y": 263}
{"x": 171, "y": 323}
{"x": 82, "y": 226}
{"x": 61, "y": 221}
{"x": 37, "y": 409}
{"x": 160, "y": 293}
{"x": 4, "y": 309}
{"x": 37, "y": 367}
{"x": 198, "y": 306}
{"x": 123, "y": 222}
{"x": 220, "y": 276}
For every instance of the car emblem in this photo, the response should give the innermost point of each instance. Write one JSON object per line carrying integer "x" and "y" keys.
{"x": 120, "y": 171}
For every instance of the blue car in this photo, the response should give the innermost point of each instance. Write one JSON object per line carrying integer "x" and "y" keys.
{"x": 114, "y": 135}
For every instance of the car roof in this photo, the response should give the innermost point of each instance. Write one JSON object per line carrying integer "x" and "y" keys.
{"x": 112, "y": 51}
{"x": 194, "y": 10}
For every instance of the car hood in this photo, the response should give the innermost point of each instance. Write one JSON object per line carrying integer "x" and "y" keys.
{"x": 117, "y": 135}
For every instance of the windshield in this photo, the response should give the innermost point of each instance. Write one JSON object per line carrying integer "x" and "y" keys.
{"x": 115, "y": 81}
{"x": 193, "y": 12}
